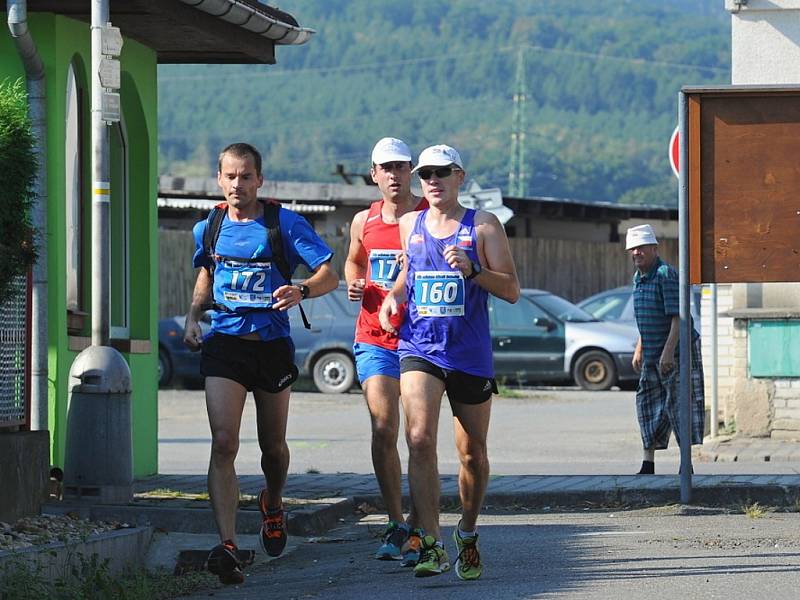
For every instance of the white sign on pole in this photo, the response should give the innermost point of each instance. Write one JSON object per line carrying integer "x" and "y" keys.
{"x": 109, "y": 73}
{"x": 110, "y": 112}
{"x": 111, "y": 41}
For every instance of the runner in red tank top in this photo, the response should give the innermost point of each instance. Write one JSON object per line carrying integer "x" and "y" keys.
{"x": 371, "y": 269}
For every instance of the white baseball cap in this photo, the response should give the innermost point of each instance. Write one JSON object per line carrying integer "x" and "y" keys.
{"x": 390, "y": 149}
{"x": 641, "y": 235}
{"x": 438, "y": 156}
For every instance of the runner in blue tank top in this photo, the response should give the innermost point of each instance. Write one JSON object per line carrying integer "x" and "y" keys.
{"x": 249, "y": 348}
{"x": 454, "y": 258}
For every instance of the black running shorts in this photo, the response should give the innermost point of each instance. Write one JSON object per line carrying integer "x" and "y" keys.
{"x": 460, "y": 387}
{"x": 257, "y": 365}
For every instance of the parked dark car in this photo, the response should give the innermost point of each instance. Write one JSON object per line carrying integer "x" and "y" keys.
{"x": 324, "y": 353}
{"x": 543, "y": 337}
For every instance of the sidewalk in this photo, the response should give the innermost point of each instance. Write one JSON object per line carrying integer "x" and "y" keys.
{"x": 177, "y": 506}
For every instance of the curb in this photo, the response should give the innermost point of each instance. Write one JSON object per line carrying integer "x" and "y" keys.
{"x": 620, "y": 496}
{"x": 302, "y": 521}
{"x": 124, "y": 549}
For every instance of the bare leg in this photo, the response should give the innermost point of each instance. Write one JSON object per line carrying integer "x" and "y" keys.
{"x": 382, "y": 394}
{"x": 272, "y": 411}
{"x": 224, "y": 403}
{"x": 421, "y": 394}
{"x": 471, "y": 426}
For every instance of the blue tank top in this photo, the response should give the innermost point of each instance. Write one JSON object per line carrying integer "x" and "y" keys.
{"x": 447, "y": 322}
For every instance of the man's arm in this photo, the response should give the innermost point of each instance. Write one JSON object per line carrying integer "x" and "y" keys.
{"x": 355, "y": 266}
{"x": 667, "y": 361}
{"x": 397, "y": 295}
{"x": 498, "y": 274}
{"x": 323, "y": 280}
{"x": 201, "y": 297}
{"x": 637, "y": 356}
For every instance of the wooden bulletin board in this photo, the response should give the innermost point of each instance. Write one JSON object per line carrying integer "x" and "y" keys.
{"x": 744, "y": 184}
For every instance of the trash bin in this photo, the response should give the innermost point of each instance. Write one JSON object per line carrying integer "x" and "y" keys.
{"x": 98, "y": 462}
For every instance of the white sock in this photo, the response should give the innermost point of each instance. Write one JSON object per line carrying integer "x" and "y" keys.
{"x": 466, "y": 534}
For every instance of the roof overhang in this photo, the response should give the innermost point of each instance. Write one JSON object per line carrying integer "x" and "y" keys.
{"x": 195, "y": 31}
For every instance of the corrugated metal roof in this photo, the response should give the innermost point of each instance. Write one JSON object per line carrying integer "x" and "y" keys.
{"x": 200, "y": 204}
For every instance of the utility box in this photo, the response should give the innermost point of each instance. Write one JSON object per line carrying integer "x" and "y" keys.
{"x": 98, "y": 462}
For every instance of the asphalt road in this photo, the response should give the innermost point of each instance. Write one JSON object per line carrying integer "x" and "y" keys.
{"x": 668, "y": 552}
{"x": 548, "y": 431}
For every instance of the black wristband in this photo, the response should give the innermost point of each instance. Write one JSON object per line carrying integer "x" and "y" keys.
{"x": 476, "y": 269}
{"x": 304, "y": 290}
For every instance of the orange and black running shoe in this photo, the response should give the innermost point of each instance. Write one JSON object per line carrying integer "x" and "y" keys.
{"x": 273, "y": 527}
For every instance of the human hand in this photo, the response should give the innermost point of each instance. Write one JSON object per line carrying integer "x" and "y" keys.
{"x": 192, "y": 335}
{"x": 667, "y": 362}
{"x": 637, "y": 360}
{"x": 286, "y": 297}
{"x": 457, "y": 259}
{"x": 389, "y": 309}
{"x": 355, "y": 291}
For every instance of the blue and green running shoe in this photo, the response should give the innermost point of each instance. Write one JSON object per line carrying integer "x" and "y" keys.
{"x": 410, "y": 550}
{"x": 392, "y": 540}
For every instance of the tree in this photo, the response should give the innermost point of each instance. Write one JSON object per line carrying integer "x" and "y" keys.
{"x": 18, "y": 166}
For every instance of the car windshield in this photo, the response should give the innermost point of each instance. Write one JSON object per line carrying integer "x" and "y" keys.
{"x": 562, "y": 309}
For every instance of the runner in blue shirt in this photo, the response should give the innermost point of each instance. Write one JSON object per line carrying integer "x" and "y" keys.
{"x": 249, "y": 348}
{"x": 454, "y": 258}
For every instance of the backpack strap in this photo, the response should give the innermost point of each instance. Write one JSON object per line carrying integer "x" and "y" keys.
{"x": 273, "y": 222}
{"x": 211, "y": 234}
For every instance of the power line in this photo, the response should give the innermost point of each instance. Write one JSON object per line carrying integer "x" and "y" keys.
{"x": 440, "y": 57}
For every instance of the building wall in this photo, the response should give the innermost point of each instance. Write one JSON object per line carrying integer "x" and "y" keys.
{"x": 61, "y": 41}
{"x": 765, "y": 36}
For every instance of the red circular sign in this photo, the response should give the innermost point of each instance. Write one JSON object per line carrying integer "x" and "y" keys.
{"x": 675, "y": 152}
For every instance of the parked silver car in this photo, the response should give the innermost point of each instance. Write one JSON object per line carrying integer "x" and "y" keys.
{"x": 544, "y": 337}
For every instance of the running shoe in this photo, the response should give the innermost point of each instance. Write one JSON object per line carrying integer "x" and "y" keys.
{"x": 468, "y": 563}
{"x": 273, "y": 527}
{"x": 392, "y": 539}
{"x": 432, "y": 559}
{"x": 410, "y": 550}
{"x": 224, "y": 563}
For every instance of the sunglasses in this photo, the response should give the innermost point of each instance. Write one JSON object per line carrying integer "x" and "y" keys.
{"x": 440, "y": 172}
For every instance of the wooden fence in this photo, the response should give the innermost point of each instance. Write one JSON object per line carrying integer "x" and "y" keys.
{"x": 572, "y": 269}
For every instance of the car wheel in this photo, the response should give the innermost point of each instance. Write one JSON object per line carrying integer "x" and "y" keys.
{"x": 594, "y": 370}
{"x": 164, "y": 368}
{"x": 334, "y": 373}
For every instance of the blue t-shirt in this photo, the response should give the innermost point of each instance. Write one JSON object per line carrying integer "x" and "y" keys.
{"x": 246, "y": 287}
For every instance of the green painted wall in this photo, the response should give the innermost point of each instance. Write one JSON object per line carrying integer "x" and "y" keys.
{"x": 62, "y": 41}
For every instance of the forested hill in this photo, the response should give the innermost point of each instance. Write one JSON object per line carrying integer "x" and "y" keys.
{"x": 601, "y": 80}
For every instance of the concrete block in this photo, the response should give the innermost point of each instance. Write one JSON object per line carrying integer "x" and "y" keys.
{"x": 787, "y": 424}
{"x": 787, "y": 413}
{"x": 753, "y": 400}
{"x": 783, "y": 383}
{"x": 24, "y": 473}
{"x": 788, "y": 435}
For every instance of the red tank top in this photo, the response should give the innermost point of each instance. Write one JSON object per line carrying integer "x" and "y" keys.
{"x": 381, "y": 242}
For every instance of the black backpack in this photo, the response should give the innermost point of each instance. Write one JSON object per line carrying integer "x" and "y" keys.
{"x": 272, "y": 222}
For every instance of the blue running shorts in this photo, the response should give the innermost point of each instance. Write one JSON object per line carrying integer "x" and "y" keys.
{"x": 375, "y": 360}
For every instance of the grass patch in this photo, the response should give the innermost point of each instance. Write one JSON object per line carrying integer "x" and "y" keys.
{"x": 90, "y": 577}
{"x": 754, "y": 511}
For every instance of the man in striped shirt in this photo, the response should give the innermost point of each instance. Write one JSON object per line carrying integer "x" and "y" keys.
{"x": 655, "y": 305}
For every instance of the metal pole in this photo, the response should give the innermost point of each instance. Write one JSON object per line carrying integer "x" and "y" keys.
{"x": 685, "y": 374}
{"x": 714, "y": 363}
{"x": 35, "y": 78}
{"x": 101, "y": 187}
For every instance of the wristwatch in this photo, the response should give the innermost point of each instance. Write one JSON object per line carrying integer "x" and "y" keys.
{"x": 304, "y": 290}
{"x": 476, "y": 270}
